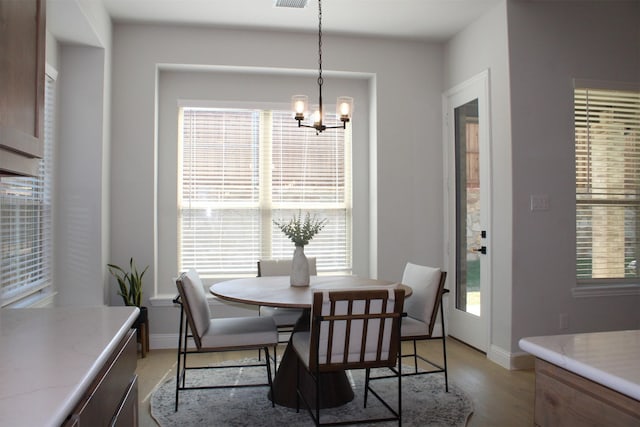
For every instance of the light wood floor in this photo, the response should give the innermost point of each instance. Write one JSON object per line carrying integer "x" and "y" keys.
{"x": 501, "y": 398}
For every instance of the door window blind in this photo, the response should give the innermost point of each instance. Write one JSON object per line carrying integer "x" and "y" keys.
{"x": 241, "y": 169}
{"x": 26, "y": 222}
{"x": 607, "y": 145}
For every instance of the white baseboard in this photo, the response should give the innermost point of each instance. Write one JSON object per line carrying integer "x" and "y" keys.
{"x": 163, "y": 341}
{"x": 508, "y": 360}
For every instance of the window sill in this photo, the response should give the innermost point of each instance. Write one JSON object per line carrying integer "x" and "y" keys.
{"x": 588, "y": 291}
{"x": 36, "y": 300}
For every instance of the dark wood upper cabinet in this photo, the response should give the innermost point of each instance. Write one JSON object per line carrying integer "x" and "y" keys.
{"x": 22, "y": 79}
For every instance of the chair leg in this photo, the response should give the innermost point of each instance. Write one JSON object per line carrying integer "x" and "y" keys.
{"x": 178, "y": 367}
{"x": 275, "y": 356}
{"x": 259, "y": 350}
{"x": 444, "y": 347}
{"x": 399, "y": 399}
{"x": 297, "y": 384}
{"x": 269, "y": 376}
{"x": 177, "y": 381}
{"x": 317, "y": 398}
{"x": 400, "y": 383}
{"x": 444, "y": 356}
{"x": 415, "y": 357}
{"x": 366, "y": 386}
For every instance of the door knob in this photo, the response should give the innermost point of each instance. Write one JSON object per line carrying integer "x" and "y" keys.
{"x": 482, "y": 250}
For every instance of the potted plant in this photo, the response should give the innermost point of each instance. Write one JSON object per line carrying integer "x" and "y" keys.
{"x": 130, "y": 289}
{"x": 300, "y": 232}
{"x": 130, "y": 283}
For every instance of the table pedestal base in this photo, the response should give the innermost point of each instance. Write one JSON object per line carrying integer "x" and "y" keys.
{"x": 335, "y": 389}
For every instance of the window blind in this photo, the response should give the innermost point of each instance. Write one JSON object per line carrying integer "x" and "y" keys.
{"x": 26, "y": 222}
{"x": 607, "y": 161}
{"x": 242, "y": 168}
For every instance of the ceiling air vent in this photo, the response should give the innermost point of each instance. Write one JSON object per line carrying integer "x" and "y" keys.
{"x": 300, "y": 4}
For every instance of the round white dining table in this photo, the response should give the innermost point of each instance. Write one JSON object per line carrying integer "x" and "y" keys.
{"x": 276, "y": 291}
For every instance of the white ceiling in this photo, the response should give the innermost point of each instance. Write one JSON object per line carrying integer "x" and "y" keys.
{"x": 412, "y": 19}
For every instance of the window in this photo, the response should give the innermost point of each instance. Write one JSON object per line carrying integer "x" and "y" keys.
{"x": 242, "y": 168}
{"x": 607, "y": 144}
{"x": 26, "y": 223}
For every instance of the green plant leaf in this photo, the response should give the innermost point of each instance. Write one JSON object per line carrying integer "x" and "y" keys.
{"x": 300, "y": 231}
{"x": 129, "y": 282}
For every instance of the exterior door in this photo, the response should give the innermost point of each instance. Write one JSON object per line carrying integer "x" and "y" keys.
{"x": 468, "y": 234}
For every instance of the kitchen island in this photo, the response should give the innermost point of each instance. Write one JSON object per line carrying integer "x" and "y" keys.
{"x": 587, "y": 379}
{"x": 53, "y": 361}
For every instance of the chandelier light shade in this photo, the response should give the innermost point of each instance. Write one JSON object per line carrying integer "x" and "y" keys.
{"x": 300, "y": 106}
{"x": 344, "y": 108}
{"x": 300, "y": 103}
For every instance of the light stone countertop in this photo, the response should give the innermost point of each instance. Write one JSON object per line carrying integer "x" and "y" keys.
{"x": 611, "y": 359}
{"x": 49, "y": 356}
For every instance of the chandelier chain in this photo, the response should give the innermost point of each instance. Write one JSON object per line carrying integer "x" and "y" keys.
{"x": 320, "y": 79}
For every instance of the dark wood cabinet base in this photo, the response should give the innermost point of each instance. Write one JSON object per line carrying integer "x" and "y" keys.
{"x": 112, "y": 398}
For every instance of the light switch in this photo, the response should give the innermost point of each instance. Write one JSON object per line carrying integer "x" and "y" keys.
{"x": 539, "y": 202}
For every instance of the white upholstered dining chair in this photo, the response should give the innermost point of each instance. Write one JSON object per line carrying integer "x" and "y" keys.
{"x": 422, "y": 308}
{"x": 218, "y": 334}
{"x": 285, "y": 318}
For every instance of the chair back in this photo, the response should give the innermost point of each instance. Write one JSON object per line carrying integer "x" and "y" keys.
{"x": 282, "y": 267}
{"x": 427, "y": 284}
{"x": 194, "y": 304}
{"x": 355, "y": 329}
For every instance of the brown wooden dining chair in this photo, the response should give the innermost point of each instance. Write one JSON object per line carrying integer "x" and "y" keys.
{"x": 354, "y": 329}
{"x": 218, "y": 334}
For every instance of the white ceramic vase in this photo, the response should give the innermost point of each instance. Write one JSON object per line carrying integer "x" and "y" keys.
{"x": 299, "y": 268}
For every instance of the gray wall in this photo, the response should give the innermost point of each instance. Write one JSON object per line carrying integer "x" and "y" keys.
{"x": 81, "y": 202}
{"x": 550, "y": 44}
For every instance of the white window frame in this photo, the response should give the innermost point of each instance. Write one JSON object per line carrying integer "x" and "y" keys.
{"x": 271, "y": 237}
{"x": 605, "y": 188}
{"x": 30, "y": 273}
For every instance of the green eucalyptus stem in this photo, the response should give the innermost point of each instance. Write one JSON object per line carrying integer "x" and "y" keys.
{"x": 301, "y": 231}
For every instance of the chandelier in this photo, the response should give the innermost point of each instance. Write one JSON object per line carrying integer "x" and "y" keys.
{"x": 300, "y": 103}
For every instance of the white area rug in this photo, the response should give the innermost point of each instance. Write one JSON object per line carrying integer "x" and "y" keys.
{"x": 424, "y": 402}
